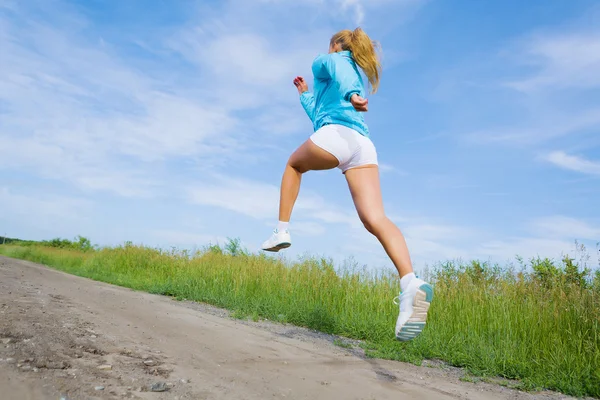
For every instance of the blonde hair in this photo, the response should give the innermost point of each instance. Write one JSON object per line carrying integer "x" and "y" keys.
{"x": 363, "y": 52}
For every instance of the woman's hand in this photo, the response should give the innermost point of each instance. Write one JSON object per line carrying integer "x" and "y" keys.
{"x": 359, "y": 103}
{"x": 300, "y": 84}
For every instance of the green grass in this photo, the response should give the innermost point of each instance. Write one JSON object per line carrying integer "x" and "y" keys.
{"x": 540, "y": 327}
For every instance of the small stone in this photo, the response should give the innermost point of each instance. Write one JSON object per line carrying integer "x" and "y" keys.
{"x": 170, "y": 385}
{"x": 6, "y": 340}
{"x": 149, "y": 362}
{"x": 185, "y": 381}
{"x": 35, "y": 369}
{"x": 10, "y": 360}
{"x": 158, "y": 387}
{"x": 105, "y": 367}
{"x": 99, "y": 388}
{"x": 26, "y": 368}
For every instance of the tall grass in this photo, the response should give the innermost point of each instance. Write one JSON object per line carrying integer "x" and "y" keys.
{"x": 540, "y": 326}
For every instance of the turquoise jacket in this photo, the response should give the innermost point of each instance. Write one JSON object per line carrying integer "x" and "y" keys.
{"x": 336, "y": 78}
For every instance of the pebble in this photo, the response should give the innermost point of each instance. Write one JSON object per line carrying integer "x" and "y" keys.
{"x": 105, "y": 367}
{"x": 149, "y": 362}
{"x": 6, "y": 340}
{"x": 10, "y": 360}
{"x": 185, "y": 381}
{"x": 99, "y": 388}
{"x": 158, "y": 387}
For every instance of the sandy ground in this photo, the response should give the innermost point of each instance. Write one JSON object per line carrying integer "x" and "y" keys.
{"x": 65, "y": 337}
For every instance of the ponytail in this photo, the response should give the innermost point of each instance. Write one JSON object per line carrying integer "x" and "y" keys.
{"x": 363, "y": 51}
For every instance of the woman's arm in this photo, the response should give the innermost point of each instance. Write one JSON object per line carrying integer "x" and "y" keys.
{"x": 306, "y": 98}
{"x": 308, "y": 102}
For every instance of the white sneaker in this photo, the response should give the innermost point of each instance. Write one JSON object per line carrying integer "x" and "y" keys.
{"x": 278, "y": 241}
{"x": 414, "y": 305}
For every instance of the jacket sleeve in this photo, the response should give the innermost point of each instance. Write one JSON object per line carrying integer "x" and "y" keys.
{"x": 340, "y": 71}
{"x": 308, "y": 102}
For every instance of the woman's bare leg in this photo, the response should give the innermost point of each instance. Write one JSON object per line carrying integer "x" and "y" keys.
{"x": 366, "y": 193}
{"x": 306, "y": 158}
{"x": 416, "y": 294}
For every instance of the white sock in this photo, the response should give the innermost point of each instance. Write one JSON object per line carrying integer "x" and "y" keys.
{"x": 282, "y": 226}
{"x": 405, "y": 280}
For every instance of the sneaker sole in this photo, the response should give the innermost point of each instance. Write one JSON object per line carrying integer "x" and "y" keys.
{"x": 416, "y": 323}
{"x": 280, "y": 246}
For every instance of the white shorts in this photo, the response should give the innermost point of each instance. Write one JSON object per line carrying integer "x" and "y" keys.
{"x": 350, "y": 147}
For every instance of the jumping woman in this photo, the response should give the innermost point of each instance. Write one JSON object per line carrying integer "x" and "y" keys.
{"x": 341, "y": 140}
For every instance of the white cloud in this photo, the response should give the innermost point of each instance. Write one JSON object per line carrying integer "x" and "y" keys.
{"x": 177, "y": 238}
{"x": 88, "y": 115}
{"x": 447, "y": 233}
{"x": 55, "y": 205}
{"x": 564, "y": 60}
{"x": 526, "y": 247}
{"x": 552, "y": 236}
{"x": 76, "y": 111}
{"x": 559, "y": 226}
{"x": 573, "y": 163}
{"x": 545, "y": 123}
{"x": 261, "y": 201}
{"x": 388, "y": 168}
{"x": 254, "y": 199}
{"x": 545, "y": 90}
{"x": 308, "y": 228}
{"x": 357, "y": 7}
{"x": 46, "y": 212}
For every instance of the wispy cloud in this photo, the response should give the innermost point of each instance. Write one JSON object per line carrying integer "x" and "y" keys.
{"x": 261, "y": 201}
{"x": 573, "y": 162}
{"x": 178, "y": 238}
{"x": 357, "y": 7}
{"x": 76, "y": 111}
{"x": 543, "y": 92}
{"x": 45, "y": 211}
{"x": 562, "y": 60}
{"x": 545, "y": 123}
{"x": 560, "y": 226}
{"x": 552, "y": 236}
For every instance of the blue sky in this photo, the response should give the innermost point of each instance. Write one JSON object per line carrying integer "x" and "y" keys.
{"x": 169, "y": 124}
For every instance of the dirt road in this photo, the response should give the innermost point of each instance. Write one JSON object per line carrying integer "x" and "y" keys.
{"x": 65, "y": 337}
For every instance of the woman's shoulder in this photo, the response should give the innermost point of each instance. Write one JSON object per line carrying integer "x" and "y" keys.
{"x": 321, "y": 57}
{"x": 327, "y": 59}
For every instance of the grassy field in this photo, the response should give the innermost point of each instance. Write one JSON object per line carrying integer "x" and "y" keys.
{"x": 538, "y": 323}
